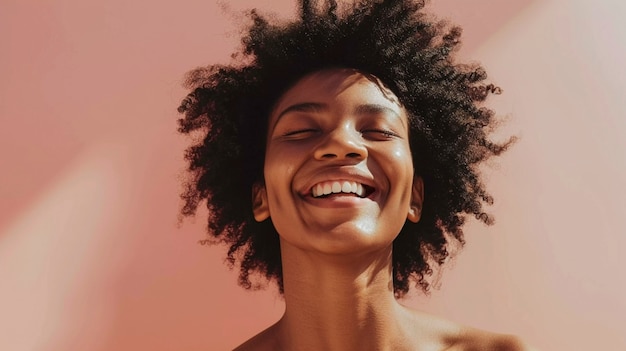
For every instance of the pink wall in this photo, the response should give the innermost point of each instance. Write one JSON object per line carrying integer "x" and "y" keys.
{"x": 90, "y": 255}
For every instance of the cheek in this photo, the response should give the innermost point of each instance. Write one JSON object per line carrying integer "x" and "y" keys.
{"x": 400, "y": 168}
{"x": 278, "y": 171}
{"x": 401, "y": 160}
{"x": 283, "y": 160}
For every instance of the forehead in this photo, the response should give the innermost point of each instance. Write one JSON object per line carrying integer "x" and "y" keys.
{"x": 345, "y": 85}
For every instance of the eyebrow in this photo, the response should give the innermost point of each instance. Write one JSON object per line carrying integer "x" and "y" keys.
{"x": 374, "y": 109}
{"x": 304, "y": 107}
{"x": 371, "y": 109}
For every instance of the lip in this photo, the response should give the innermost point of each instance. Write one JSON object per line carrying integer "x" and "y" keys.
{"x": 340, "y": 201}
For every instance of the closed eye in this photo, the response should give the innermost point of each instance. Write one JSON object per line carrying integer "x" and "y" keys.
{"x": 300, "y": 133}
{"x": 381, "y": 133}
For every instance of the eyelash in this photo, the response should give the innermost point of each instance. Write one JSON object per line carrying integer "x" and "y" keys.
{"x": 300, "y": 131}
{"x": 385, "y": 132}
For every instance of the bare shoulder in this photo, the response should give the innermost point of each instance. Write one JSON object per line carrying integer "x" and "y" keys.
{"x": 474, "y": 340}
{"x": 264, "y": 341}
{"x": 451, "y": 336}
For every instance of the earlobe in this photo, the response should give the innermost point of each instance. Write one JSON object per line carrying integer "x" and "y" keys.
{"x": 417, "y": 199}
{"x": 260, "y": 209}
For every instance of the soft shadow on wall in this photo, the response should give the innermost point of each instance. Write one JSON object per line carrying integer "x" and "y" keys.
{"x": 90, "y": 256}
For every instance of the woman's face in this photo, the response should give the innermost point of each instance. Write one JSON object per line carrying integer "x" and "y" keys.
{"x": 338, "y": 168}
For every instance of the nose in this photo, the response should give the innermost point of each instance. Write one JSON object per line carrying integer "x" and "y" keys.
{"x": 341, "y": 143}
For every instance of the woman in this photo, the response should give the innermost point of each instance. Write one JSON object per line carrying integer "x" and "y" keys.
{"x": 359, "y": 138}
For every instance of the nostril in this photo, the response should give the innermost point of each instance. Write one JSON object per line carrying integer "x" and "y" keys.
{"x": 353, "y": 155}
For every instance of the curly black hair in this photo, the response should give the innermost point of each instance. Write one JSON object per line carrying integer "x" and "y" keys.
{"x": 412, "y": 53}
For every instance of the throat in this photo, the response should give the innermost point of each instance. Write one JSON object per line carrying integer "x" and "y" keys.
{"x": 338, "y": 291}
{"x": 344, "y": 324}
{"x": 333, "y": 300}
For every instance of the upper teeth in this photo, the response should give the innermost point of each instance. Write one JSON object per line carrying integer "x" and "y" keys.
{"x": 336, "y": 187}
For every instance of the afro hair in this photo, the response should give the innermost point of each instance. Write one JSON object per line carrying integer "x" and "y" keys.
{"x": 394, "y": 40}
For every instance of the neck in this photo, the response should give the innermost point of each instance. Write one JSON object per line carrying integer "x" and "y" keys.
{"x": 339, "y": 302}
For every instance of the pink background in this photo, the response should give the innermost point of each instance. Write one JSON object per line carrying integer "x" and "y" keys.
{"x": 90, "y": 255}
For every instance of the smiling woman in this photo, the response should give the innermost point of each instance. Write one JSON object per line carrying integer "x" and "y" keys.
{"x": 355, "y": 139}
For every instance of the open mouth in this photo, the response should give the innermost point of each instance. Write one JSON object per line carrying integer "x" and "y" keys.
{"x": 343, "y": 188}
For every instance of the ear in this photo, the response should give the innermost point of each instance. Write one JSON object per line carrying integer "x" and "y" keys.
{"x": 260, "y": 209}
{"x": 417, "y": 199}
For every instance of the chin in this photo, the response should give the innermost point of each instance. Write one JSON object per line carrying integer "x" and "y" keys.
{"x": 349, "y": 238}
